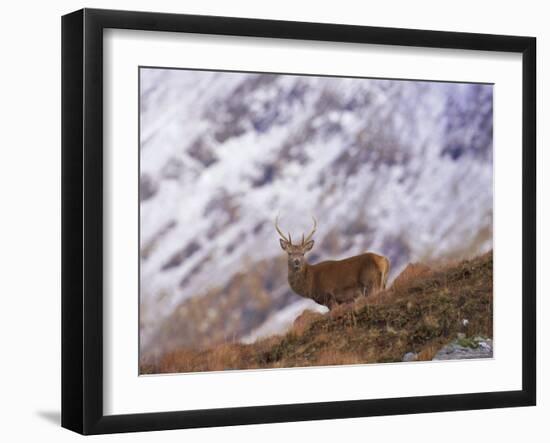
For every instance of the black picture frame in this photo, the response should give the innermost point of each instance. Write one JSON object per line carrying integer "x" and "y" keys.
{"x": 82, "y": 220}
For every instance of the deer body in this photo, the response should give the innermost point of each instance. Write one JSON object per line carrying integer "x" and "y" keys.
{"x": 333, "y": 282}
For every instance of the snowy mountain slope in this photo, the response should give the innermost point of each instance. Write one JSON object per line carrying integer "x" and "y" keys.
{"x": 398, "y": 167}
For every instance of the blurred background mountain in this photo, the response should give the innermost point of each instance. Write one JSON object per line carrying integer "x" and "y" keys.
{"x": 401, "y": 168}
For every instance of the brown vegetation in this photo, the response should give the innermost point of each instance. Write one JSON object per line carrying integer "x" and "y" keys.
{"x": 420, "y": 313}
{"x": 411, "y": 272}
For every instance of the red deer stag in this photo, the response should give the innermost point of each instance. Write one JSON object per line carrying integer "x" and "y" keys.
{"x": 332, "y": 282}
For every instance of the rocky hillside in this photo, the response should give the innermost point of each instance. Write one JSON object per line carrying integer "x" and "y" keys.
{"x": 443, "y": 313}
{"x": 402, "y": 168}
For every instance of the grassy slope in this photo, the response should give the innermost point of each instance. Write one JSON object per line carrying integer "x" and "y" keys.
{"x": 423, "y": 310}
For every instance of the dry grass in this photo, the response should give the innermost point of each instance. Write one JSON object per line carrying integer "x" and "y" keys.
{"x": 429, "y": 351}
{"x": 420, "y": 313}
{"x": 333, "y": 357}
{"x": 304, "y": 321}
{"x": 413, "y": 271}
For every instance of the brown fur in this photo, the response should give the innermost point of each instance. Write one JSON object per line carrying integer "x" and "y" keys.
{"x": 334, "y": 282}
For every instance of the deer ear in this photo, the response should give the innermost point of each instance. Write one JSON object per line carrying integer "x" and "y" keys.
{"x": 308, "y": 246}
{"x": 284, "y": 244}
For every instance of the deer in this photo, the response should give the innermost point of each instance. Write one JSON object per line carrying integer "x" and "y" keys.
{"x": 333, "y": 282}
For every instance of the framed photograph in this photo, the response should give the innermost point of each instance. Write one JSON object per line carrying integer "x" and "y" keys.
{"x": 268, "y": 221}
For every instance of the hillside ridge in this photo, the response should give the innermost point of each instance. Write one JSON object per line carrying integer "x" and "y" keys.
{"x": 424, "y": 310}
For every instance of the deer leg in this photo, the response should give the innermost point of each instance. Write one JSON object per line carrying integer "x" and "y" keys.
{"x": 368, "y": 288}
{"x": 329, "y": 301}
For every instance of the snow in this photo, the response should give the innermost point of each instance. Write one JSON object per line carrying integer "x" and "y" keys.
{"x": 282, "y": 320}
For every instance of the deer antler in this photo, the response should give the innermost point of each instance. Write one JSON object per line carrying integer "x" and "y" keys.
{"x": 289, "y": 240}
{"x": 308, "y": 238}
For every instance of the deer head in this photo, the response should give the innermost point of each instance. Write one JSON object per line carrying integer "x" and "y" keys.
{"x": 296, "y": 253}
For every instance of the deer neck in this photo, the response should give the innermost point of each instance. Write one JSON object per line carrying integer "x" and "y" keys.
{"x": 298, "y": 280}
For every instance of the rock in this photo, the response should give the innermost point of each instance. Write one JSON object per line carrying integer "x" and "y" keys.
{"x": 147, "y": 187}
{"x": 173, "y": 168}
{"x": 460, "y": 349}
{"x": 410, "y": 356}
{"x": 484, "y": 345}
